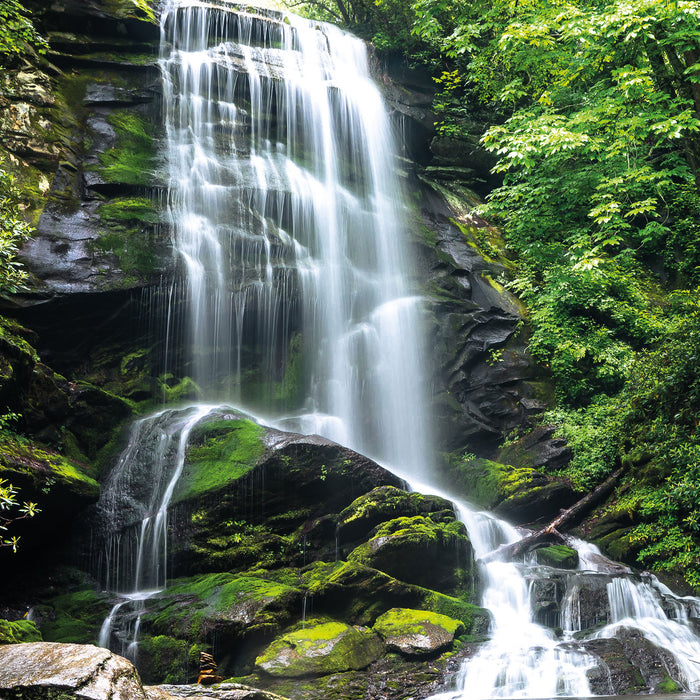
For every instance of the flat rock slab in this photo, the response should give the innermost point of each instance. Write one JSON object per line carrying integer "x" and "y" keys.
{"x": 43, "y": 670}
{"x": 222, "y": 691}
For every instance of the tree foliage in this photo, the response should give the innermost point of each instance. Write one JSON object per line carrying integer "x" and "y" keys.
{"x": 11, "y": 511}
{"x": 597, "y": 132}
{"x": 17, "y": 33}
{"x": 13, "y": 231}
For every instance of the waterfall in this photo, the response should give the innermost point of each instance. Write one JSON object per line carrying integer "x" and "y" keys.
{"x": 287, "y": 213}
{"x": 287, "y": 221}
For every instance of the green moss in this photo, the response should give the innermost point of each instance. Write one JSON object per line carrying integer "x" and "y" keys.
{"x": 129, "y": 209}
{"x": 132, "y": 160}
{"x": 77, "y": 617}
{"x": 288, "y": 391}
{"x": 668, "y": 685}
{"x": 19, "y": 457}
{"x": 14, "y": 632}
{"x": 321, "y": 648}
{"x": 12, "y": 337}
{"x": 476, "y": 620}
{"x": 173, "y": 390}
{"x": 164, "y": 659}
{"x": 401, "y": 621}
{"x": 557, "y": 555}
{"x": 385, "y": 503}
{"x": 220, "y": 452}
{"x": 418, "y": 550}
{"x": 132, "y": 9}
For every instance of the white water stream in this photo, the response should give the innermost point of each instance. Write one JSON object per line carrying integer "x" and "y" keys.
{"x": 287, "y": 215}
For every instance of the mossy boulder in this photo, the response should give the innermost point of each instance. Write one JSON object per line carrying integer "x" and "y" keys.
{"x": 251, "y": 496}
{"x": 519, "y": 494}
{"x": 417, "y": 632}
{"x": 220, "y": 451}
{"x": 320, "y": 648}
{"x": 418, "y": 550}
{"x": 385, "y": 503}
{"x": 360, "y": 594}
{"x": 225, "y": 605}
{"x": 163, "y": 659}
{"x": 16, "y": 631}
{"x": 558, "y": 556}
{"x": 74, "y": 617}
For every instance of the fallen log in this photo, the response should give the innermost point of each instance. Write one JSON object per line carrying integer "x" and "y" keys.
{"x": 566, "y": 518}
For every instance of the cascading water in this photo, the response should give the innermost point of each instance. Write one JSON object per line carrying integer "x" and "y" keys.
{"x": 135, "y": 504}
{"x": 286, "y": 217}
{"x": 284, "y": 200}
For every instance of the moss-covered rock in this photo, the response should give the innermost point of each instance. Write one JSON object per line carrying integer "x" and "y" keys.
{"x": 220, "y": 451}
{"x": 74, "y": 617}
{"x": 163, "y": 659}
{"x": 417, "y": 632}
{"x": 361, "y": 594}
{"x": 520, "y": 494}
{"x": 385, "y": 503}
{"x": 320, "y": 648}
{"x": 416, "y": 549}
{"x": 15, "y": 631}
{"x": 557, "y": 555}
{"x": 227, "y": 606}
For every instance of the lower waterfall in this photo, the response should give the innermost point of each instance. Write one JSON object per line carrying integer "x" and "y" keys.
{"x": 286, "y": 214}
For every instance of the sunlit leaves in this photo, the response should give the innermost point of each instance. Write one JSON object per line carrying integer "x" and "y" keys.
{"x": 13, "y": 231}
{"x": 17, "y": 33}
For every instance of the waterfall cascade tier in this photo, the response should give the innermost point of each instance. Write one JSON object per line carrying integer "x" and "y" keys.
{"x": 287, "y": 220}
{"x": 287, "y": 216}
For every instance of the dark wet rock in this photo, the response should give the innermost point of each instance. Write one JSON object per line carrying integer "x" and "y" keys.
{"x": 615, "y": 675}
{"x": 519, "y": 494}
{"x": 633, "y": 665}
{"x": 435, "y": 555}
{"x": 539, "y": 449}
{"x": 385, "y": 503}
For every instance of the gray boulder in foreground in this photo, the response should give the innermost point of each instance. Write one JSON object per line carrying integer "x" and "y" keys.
{"x": 54, "y": 671}
{"x": 45, "y": 670}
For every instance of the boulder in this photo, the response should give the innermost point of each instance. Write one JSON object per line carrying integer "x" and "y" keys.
{"x": 320, "y": 648}
{"x": 418, "y": 550}
{"x": 263, "y": 497}
{"x": 44, "y": 670}
{"x": 361, "y": 594}
{"x": 518, "y": 494}
{"x": 417, "y": 632}
{"x": 558, "y": 556}
{"x": 386, "y": 503}
{"x": 223, "y": 691}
